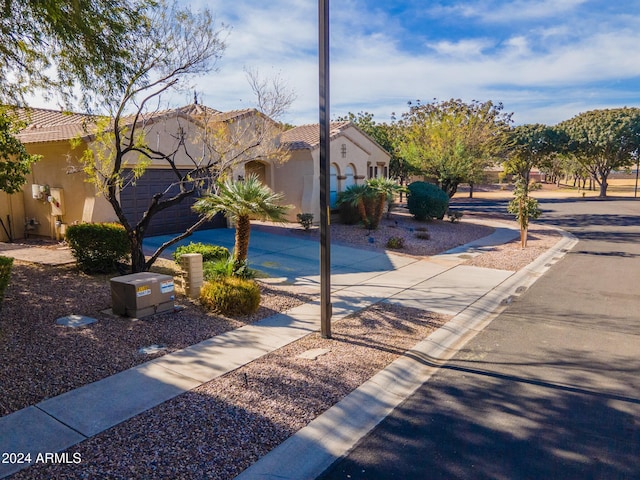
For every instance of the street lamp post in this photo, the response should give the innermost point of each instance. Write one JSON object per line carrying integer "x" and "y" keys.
{"x": 325, "y": 233}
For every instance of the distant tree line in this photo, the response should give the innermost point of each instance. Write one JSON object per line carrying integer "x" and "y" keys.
{"x": 453, "y": 142}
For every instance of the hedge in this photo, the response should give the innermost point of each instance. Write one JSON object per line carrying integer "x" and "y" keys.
{"x": 97, "y": 247}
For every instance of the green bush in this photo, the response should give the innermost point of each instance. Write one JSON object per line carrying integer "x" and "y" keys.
{"x": 396, "y": 243}
{"x": 349, "y": 214}
{"x": 305, "y": 219}
{"x": 426, "y": 200}
{"x": 97, "y": 247}
{"x": 5, "y": 274}
{"x": 210, "y": 253}
{"x": 227, "y": 267}
{"x": 231, "y": 296}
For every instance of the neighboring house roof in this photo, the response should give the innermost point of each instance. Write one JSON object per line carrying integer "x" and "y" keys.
{"x": 307, "y": 137}
{"x": 45, "y": 125}
{"x": 52, "y": 125}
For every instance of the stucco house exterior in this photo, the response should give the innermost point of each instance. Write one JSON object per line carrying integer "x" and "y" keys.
{"x": 354, "y": 157}
{"x": 58, "y": 194}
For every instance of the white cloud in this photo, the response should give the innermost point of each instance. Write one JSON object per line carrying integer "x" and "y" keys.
{"x": 466, "y": 48}
{"x": 508, "y": 12}
{"x": 543, "y": 71}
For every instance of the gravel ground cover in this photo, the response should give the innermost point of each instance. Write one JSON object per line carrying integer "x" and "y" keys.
{"x": 40, "y": 359}
{"x": 218, "y": 429}
{"x": 511, "y": 256}
{"x": 442, "y": 235}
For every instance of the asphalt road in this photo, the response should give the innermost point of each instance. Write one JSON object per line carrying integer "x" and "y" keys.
{"x": 550, "y": 390}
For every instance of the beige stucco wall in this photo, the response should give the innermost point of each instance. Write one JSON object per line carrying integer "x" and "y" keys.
{"x": 60, "y": 168}
{"x": 12, "y": 206}
{"x": 299, "y": 178}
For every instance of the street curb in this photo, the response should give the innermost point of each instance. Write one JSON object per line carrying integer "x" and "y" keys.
{"x": 332, "y": 435}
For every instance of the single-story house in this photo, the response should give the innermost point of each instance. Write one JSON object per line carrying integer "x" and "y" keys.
{"x": 57, "y": 192}
{"x": 354, "y": 157}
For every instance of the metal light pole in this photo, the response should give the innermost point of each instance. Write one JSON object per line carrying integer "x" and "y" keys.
{"x": 325, "y": 233}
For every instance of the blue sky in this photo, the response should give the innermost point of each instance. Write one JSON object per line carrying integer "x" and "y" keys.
{"x": 545, "y": 60}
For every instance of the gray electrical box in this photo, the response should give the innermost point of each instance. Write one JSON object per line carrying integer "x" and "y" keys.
{"x": 142, "y": 294}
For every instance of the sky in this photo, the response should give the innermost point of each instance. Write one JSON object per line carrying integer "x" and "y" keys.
{"x": 544, "y": 60}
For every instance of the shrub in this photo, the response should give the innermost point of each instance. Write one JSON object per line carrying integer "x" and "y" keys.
{"x": 305, "y": 219}
{"x": 454, "y": 215}
{"x": 349, "y": 214}
{"x": 426, "y": 200}
{"x": 210, "y": 253}
{"x": 227, "y": 267}
{"x": 395, "y": 243}
{"x": 423, "y": 235}
{"x": 5, "y": 274}
{"x": 97, "y": 247}
{"x": 231, "y": 296}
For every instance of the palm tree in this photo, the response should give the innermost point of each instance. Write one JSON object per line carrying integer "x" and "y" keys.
{"x": 358, "y": 196}
{"x": 384, "y": 190}
{"x": 243, "y": 201}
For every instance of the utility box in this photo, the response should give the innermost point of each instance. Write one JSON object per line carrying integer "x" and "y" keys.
{"x": 56, "y": 198}
{"x": 142, "y": 294}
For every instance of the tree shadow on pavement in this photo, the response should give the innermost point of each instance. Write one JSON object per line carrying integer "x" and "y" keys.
{"x": 487, "y": 424}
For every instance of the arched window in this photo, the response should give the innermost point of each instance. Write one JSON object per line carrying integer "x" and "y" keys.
{"x": 349, "y": 174}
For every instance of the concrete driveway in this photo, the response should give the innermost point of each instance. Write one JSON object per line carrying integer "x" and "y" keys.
{"x": 292, "y": 259}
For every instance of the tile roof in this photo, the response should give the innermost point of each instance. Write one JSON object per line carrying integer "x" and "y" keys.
{"x": 307, "y": 137}
{"x": 45, "y": 125}
{"x": 53, "y": 125}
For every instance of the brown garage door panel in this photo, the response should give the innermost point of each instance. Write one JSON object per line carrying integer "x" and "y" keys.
{"x": 136, "y": 199}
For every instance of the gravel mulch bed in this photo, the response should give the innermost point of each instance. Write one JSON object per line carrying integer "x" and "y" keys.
{"x": 222, "y": 427}
{"x": 511, "y": 256}
{"x": 40, "y": 359}
{"x": 442, "y": 235}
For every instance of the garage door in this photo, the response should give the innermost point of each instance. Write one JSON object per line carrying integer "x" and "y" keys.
{"x": 136, "y": 199}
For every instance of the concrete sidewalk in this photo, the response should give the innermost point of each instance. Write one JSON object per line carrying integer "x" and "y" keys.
{"x": 35, "y": 254}
{"x": 439, "y": 284}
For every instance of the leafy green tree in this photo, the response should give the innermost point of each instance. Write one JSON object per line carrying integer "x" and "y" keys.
{"x": 603, "y": 141}
{"x": 388, "y": 136}
{"x": 243, "y": 201}
{"x": 56, "y": 45}
{"x": 531, "y": 145}
{"x": 360, "y": 197}
{"x": 453, "y": 141}
{"x": 176, "y": 46}
{"x": 370, "y": 198}
{"x": 15, "y": 162}
{"x": 383, "y": 189}
{"x": 524, "y": 208}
